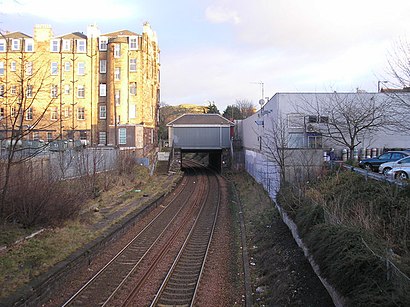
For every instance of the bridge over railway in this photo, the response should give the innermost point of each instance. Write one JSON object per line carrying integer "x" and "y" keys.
{"x": 202, "y": 133}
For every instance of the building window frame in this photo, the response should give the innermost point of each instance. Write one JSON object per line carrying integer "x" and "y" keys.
{"x": 13, "y": 66}
{"x": 81, "y": 91}
{"x": 66, "y": 45}
{"x": 81, "y": 113}
{"x": 103, "y": 89}
{"x": 29, "y": 45}
{"x": 81, "y": 46}
{"x": 81, "y": 68}
{"x": 67, "y": 89}
{"x": 103, "y": 66}
{"x": 2, "y": 70}
{"x": 117, "y": 73}
{"x": 67, "y": 66}
{"x": 133, "y": 64}
{"x": 54, "y": 91}
{"x": 133, "y": 42}
{"x": 3, "y": 45}
{"x": 55, "y": 45}
{"x": 29, "y": 113}
{"x": 53, "y": 113}
{"x": 103, "y": 111}
{"x": 103, "y": 43}
{"x": 29, "y": 68}
{"x": 54, "y": 68}
{"x": 133, "y": 88}
{"x": 102, "y": 137}
{"x": 122, "y": 136}
{"x": 117, "y": 51}
{"x": 15, "y": 44}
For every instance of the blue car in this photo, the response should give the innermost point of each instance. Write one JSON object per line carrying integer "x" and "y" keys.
{"x": 372, "y": 164}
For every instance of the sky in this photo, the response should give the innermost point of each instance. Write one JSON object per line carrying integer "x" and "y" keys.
{"x": 222, "y": 51}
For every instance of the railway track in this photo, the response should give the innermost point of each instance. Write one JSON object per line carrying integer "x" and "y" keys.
{"x": 181, "y": 283}
{"x": 100, "y": 289}
{"x": 190, "y": 214}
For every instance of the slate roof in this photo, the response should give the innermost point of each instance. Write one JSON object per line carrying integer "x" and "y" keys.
{"x": 120, "y": 33}
{"x": 74, "y": 35}
{"x": 16, "y": 35}
{"x": 201, "y": 119}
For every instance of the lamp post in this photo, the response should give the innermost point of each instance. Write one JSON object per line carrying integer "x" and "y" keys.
{"x": 378, "y": 85}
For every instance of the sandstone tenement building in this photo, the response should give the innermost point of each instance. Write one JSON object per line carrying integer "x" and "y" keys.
{"x": 102, "y": 89}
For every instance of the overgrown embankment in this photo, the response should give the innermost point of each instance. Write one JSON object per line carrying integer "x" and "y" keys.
{"x": 358, "y": 234}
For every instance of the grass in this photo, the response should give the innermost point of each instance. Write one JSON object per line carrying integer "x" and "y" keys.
{"x": 36, "y": 255}
{"x": 30, "y": 258}
{"x": 351, "y": 226}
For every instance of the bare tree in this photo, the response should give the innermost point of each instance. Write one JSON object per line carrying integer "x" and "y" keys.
{"x": 274, "y": 144}
{"x": 347, "y": 118}
{"x": 399, "y": 74}
{"x": 28, "y": 93}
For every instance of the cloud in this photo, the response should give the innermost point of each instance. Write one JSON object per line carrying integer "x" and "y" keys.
{"x": 218, "y": 14}
{"x": 69, "y": 11}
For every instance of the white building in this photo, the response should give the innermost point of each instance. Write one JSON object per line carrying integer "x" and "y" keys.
{"x": 299, "y": 121}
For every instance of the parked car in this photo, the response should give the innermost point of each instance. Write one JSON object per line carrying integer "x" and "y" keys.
{"x": 385, "y": 167}
{"x": 399, "y": 172}
{"x": 372, "y": 164}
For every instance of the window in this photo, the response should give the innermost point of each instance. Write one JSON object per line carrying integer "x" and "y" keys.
{"x": 29, "y": 114}
{"x": 133, "y": 111}
{"x": 80, "y": 113}
{"x": 133, "y": 64}
{"x": 122, "y": 136}
{"x": 80, "y": 91}
{"x": 36, "y": 135}
{"x": 103, "y": 112}
{"x": 103, "y": 43}
{"x": 103, "y": 66}
{"x": 66, "y": 111}
{"x": 295, "y": 120}
{"x": 67, "y": 89}
{"x": 66, "y": 45}
{"x": 315, "y": 141}
{"x": 117, "y": 73}
{"x": 67, "y": 66}
{"x": 54, "y": 68}
{"x": 117, "y": 97}
{"x": 29, "y": 44}
{"x": 81, "y": 68}
{"x": 29, "y": 91}
{"x": 133, "y": 42}
{"x": 102, "y": 137}
{"x": 13, "y": 66}
{"x": 117, "y": 50}
{"x": 13, "y": 90}
{"x": 13, "y": 112}
{"x": 15, "y": 44}
{"x": 81, "y": 46}
{"x": 54, "y": 91}
{"x": 1, "y": 90}
{"x": 103, "y": 90}
{"x": 296, "y": 140}
{"x": 54, "y": 113}
{"x": 1, "y": 68}
{"x": 29, "y": 68}
{"x": 133, "y": 88}
{"x": 49, "y": 136}
{"x": 1, "y": 113}
{"x": 55, "y": 45}
{"x": 3, "y": 45}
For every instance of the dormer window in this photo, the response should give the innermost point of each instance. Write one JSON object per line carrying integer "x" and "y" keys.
{"x": 103, "y": 43}
{"x": 15, "y": 44}
{"x": 81, "y": 45}
{"x": 55, "y": 45}
{"x": 2, "y": 45}
{"x": 29, "y": 45}
{"x": 133, "y": 42}
{"x": 66, "y": 45}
